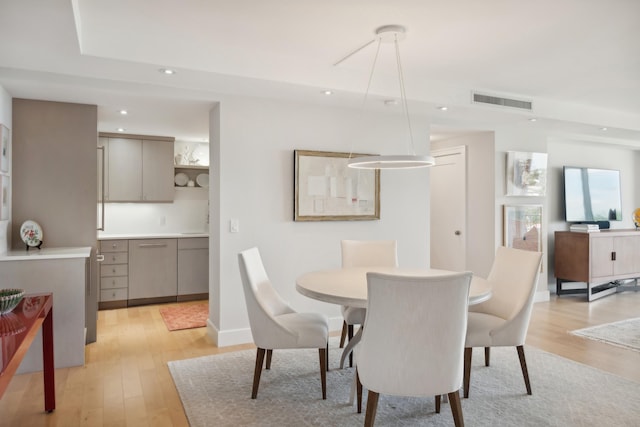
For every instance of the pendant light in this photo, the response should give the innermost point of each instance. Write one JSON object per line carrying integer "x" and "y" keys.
{"x": 393, "y": 34}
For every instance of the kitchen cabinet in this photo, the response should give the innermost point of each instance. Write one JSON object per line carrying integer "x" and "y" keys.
{"x": 599, "y": 259}
{"x": 193, "y": 268}
{"x": 153, "y": 267}
{"x": 137, "y": 168}
{"x": 114, "y": 274}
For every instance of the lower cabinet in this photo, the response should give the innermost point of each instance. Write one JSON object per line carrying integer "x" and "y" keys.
{"x": 148, "y": 271}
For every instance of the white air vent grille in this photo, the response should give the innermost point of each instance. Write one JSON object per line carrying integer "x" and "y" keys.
{"x": 503, "y": 102}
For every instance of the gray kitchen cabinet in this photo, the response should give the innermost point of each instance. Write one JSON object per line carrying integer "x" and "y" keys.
{"x": 114, "y": 274}
{"x": 137, "y": 168}
{"x": 153, "y": 267}
{"x": 193, "y": 268}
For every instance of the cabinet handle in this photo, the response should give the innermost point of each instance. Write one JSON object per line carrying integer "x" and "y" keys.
{"x": 152, "y": 245}
{"x": 114, "y": 245}
{"x": 613, "y": 256}
{"x": 113, "y": 270}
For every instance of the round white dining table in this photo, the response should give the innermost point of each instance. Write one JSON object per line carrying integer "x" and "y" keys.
{"x": 348, "y": 286}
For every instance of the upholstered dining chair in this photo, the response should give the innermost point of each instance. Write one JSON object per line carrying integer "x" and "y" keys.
{"x": 503, "y": 320}
{"x": 364, "y": 253}
{"x": 413, "y": 339}
{"x": 274, "y": 324}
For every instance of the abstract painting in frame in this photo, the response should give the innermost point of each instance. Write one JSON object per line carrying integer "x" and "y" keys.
{"x": 326, "y": 189}
{"x": 523, "y": 227}
{"x": 5, "y": 148}
{"x": 526, "y": 173}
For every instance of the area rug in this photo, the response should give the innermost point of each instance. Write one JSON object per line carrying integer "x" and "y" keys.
{"x": 216, "y": 390}
{"x": 625, "y": 333}
{"x": 185, "y": 316}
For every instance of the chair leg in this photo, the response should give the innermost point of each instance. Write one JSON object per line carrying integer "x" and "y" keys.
{"x": 327, "y": 358}
{"x": 372, "y": 407}
{"x": 269, "y": 354}
{"x": 257, "y": 372}
{"x": 456, "y": 408}
{"x": 523, "y": 366}
{"x": 438, "y": 401}
{"x": 358, "y": 391}
{"x": 468, "y": 352}
{"x": 343, "y": 335}
{"x": 350, "y": 335}
{"x": 487, "y": 356}
{"x": 323, "y": 371}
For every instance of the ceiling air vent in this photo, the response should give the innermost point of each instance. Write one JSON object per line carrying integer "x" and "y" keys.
{"x": 503, "y": 102}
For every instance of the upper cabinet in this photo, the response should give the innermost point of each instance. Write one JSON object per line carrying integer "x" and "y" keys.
{"x": 137, "y": 168}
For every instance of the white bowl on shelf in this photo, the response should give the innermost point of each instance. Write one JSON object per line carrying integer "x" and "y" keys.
{"x": 203, "y": 180}
{"x": 181, "y": 179}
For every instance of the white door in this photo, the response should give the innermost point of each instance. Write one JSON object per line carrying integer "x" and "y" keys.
{"x": 449, "y": 209}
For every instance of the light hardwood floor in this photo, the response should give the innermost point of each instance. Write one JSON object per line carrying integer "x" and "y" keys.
{"x": 126, "y": 382}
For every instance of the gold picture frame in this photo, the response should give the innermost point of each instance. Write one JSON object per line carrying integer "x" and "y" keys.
{"x": 326, "y": 189}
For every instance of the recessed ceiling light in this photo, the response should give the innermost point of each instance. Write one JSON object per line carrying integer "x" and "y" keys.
{"x": 391, "y": 102}
{"x": 533, "y": 119}
{"x": 123, "y": 112}
{"x": 327, "y": 92}
{"x": 603, "y": 129}
{"x": 443, "y": 108}
{"x": 121, "y": 129}
{"x": 167, "y": 71}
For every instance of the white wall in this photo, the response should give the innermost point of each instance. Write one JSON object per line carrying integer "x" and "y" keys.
{"x": 5, "y": 119}
{"x": 255, "y": 171}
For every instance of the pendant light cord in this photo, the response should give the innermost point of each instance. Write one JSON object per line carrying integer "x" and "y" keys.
{"x": 403, "y": 95}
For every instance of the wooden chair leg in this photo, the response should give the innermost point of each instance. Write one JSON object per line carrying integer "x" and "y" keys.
{"x": 323, "y": 371}
{"x": 438, "y": 401}
{"x": 257, "y": 372}
{"x": 523, "y": 366}
{"x": 343, "y": 335}
{"x": 269, "y": 354}
{"x": 456, "y": 408}
{"x": 350, "y": 335}
{"x": 327, "y": 358}
{"x": 372, "y": 407}
{"x": 358, "y": 391}
{"x": 487, "y": 356}
{"x": 468, "y": 353}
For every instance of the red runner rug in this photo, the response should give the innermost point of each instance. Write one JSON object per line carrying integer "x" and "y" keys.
{"x": 185, "y": 316}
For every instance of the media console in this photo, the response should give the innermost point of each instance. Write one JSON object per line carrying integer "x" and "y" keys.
{"x": 600, "y": 259}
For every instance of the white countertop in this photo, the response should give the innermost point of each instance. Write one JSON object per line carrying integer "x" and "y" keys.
{"x": 46, "y": 253}
{"x": 128, "y": 236}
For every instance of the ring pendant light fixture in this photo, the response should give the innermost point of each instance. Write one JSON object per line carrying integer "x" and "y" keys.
{"x": 390, "y": 33}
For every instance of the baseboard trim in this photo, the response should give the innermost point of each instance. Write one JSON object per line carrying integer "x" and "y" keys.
{"x": 541, "y": 296}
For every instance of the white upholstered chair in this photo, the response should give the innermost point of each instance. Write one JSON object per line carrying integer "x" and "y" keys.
{"x": 364, "y": 253}
{"x": 503, "y": 320}
{"x": 413, "y": 339}
{"x": 274, "y": 324}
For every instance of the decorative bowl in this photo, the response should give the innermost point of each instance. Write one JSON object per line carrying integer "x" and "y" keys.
{"x": 9, "y": 298}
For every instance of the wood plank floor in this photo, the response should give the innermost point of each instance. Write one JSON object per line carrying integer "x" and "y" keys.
{"x": 126, "y": 382}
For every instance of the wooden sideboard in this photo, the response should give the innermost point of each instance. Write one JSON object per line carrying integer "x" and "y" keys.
{"x": 600, "y": 259}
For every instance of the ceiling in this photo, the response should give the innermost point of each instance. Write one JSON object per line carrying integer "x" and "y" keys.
{"x": 578, "y": 61}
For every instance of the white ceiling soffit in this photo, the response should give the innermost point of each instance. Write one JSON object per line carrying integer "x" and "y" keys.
{"x": 576, "y": 60}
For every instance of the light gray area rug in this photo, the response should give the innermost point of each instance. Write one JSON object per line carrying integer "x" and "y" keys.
{"x": 216, "y": 390}
{"x": 625, "y": 333}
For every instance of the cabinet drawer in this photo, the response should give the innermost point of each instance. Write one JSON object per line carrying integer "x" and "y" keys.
{"x": 113, "y": 295}
{"x": 114, "y": 270}
{"x": 115, "y": 258}
{"x": 193, "y": 243}
{"x": 114, "y": 282}
{"x": 114, "y": 246}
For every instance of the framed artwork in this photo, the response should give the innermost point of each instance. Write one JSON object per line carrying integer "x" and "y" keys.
{"x": 326, "y": 189}
{"x": 523, "y": 227}
{"x": 5, "y": 142}
{"x": 4, "y": 197}
{"x": 526, "y": 173}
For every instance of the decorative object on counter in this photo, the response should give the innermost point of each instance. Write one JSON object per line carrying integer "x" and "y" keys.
{"x": 203, "y": 180}
{"x": 191, "y": 183}
{"x": 181, "y": 179}
{"x": 185, "y": 316}
{"x": 9, "y": 299}
{"x": 31, "y": 234}
{"x": 636, "y": 218}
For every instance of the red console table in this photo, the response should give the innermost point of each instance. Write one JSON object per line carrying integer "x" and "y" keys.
{"x": 17, "y": 331}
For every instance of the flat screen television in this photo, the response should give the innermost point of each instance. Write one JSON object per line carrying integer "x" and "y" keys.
{"x": 592, "y": 195}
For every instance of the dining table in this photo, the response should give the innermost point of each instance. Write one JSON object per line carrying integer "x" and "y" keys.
{"x": 348, "y": 287}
